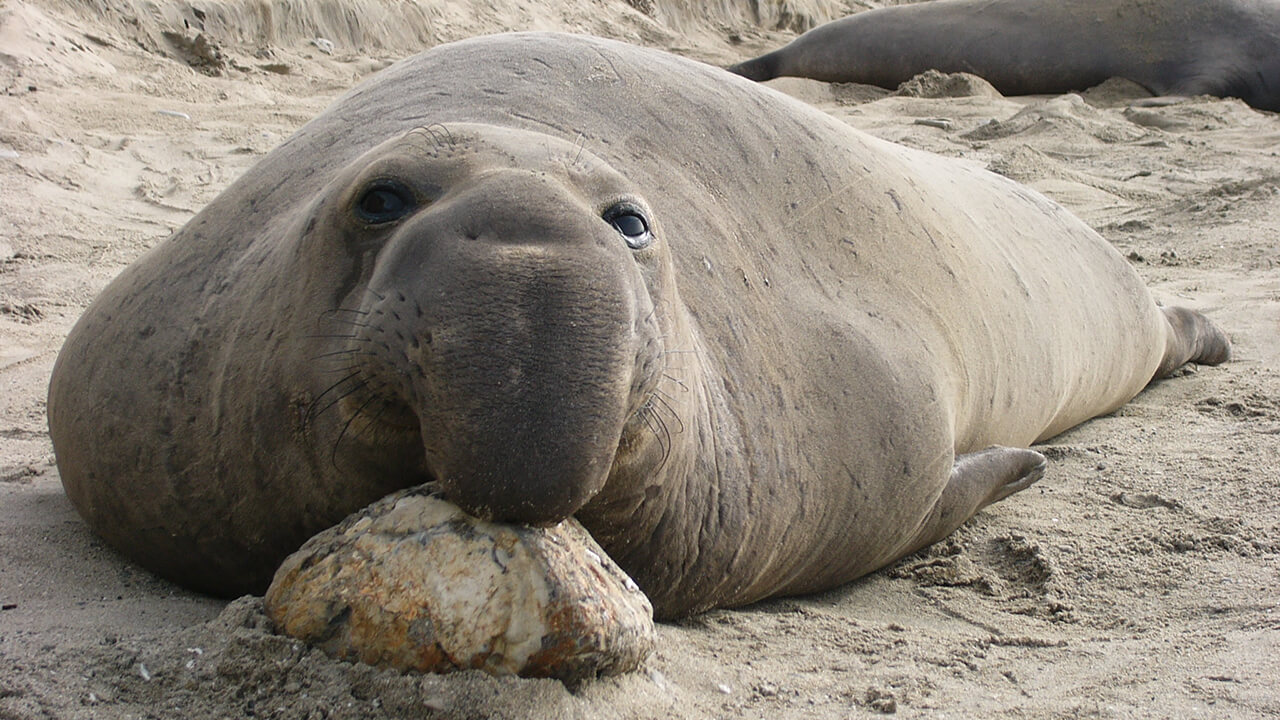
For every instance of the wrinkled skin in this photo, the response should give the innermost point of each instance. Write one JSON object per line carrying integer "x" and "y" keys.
{"x": 1227, "y": 48}
{"x": 755, "y": 352}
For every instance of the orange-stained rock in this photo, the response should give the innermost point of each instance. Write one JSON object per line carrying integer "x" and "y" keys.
{"x": 412, "y": 582}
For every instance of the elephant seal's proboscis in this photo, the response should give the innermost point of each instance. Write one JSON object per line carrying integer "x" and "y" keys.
{"x": 1227, "y": 48}
{"x": 753, "y": 351}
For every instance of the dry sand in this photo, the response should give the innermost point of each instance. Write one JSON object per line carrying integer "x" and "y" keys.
{"x": 1138, "y": 579}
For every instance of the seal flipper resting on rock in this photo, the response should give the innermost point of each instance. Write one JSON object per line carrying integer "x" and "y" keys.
{"x": 1228, "y": 48}
{"x": 754, "y": 351}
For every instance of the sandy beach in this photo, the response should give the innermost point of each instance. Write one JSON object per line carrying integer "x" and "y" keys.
{"x": 1139, "y": 579}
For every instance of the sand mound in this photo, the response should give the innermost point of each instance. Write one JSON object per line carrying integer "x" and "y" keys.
{"x": 381, "y": 27}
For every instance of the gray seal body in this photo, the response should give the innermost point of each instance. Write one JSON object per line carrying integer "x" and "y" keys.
{"x": 754, "y": 351}
{"x": 1227, "y": 48}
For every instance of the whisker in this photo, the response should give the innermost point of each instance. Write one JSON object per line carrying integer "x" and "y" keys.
{"x": 311, "y": 410}
{"x": 645, "y": 415}
{"x": 432, "y": 128}
{"x": 337, "y": 400}
{"x": 651, "y": 417}
{"x": 330, "y": 337}
{"x": 337, "y": 352}
{"x": 658, "y": 395}
{"x": 676, "y": 380}
{"x": 347, "y": 363}
{"x": 666, "y": 447}
{"x": 333, "y": 457}
{"x": 375, "y": 417}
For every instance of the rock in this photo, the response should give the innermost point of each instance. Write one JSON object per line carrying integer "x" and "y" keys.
{"x": 935, "y": 84}
{"x": 413, "y": 583}
{"x": 200, "y": 52}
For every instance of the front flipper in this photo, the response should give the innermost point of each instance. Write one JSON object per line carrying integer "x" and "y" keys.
{"x": 977, "y": 480}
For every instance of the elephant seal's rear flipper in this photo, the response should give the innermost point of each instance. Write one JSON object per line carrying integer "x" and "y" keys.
{"x": 1194, "y": 338}
{"x": 758, "y": 69}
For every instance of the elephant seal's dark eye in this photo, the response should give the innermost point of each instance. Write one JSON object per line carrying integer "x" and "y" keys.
{"x": 383, "y": 202}
{"x": 631, "y": 224}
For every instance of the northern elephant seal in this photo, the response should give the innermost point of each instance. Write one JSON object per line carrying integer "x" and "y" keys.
{"x": 754, "y": 351}
{"x": 1228, "y": 48}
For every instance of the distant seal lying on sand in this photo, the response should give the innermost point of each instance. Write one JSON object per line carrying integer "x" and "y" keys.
{"x": 754, "y": 351}
{"x": 1228, "y": 48}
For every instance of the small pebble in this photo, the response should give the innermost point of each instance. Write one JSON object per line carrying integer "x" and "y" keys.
{"x": 174, "y": 113}
{"x": 940, "y": 123}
